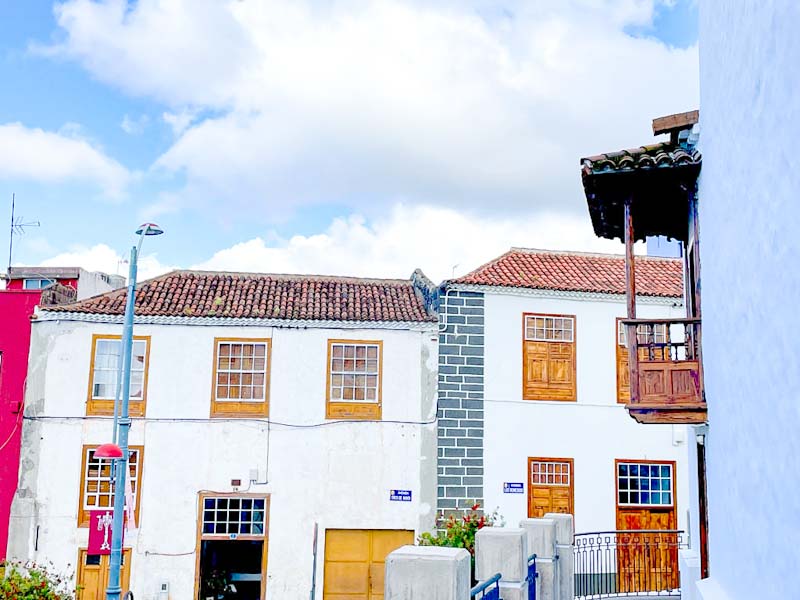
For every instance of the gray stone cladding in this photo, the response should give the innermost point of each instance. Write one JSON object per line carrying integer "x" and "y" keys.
{"x": 460, "y": 436}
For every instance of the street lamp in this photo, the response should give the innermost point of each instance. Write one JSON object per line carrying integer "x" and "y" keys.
{"x": 120, "y": 453}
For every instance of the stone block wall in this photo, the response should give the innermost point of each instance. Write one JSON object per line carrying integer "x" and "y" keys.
{"x": 461, "y": 387}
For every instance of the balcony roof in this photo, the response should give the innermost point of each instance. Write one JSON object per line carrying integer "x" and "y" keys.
{"x": 658, "y": 179}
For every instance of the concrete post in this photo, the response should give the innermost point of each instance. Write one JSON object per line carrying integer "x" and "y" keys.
{"x": 427, "y": 573}
{"x": 541, "y": 538}
{"x": 503, "y": 550}
{"x": 565, "y": 537}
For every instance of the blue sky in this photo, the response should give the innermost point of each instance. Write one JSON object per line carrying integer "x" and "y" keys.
{"x": 397, "y": 122}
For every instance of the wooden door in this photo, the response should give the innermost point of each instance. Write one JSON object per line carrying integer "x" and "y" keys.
{"x": 550, "y": 486}
{"x": 354, "y": 561}
{"x": 93, "y": 574}
{"x": 646, "y": 562}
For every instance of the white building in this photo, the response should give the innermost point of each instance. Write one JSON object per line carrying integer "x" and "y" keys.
{"x": 264, "y": 405}
{"x": 542, "y": 400}
{"x": 750, "y": 251}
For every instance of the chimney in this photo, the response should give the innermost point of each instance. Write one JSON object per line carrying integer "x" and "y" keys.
{"x": 674, "y": 125}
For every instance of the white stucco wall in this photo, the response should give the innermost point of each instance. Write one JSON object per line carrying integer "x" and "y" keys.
{"x": 594, "y": 431}
{"x": 338, "y": 475}
{"x": 94, "y": 283}
{"x": 749, "y": 215}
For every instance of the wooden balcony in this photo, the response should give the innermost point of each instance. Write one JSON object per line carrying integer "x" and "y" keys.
{"x": 666, "y": 371}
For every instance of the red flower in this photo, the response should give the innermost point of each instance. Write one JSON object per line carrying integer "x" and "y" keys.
{"x": 476, "y": 506}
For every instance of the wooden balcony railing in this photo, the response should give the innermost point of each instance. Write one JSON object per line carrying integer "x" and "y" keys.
{"x": 666, "y": 370}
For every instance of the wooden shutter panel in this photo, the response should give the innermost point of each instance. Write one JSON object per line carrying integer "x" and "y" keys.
{"x": 549, "y": 372}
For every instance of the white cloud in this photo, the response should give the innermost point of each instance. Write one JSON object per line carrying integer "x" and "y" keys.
{"x": 179, "y": 121}
{"x": 134, "y": 126}
{"x": 362, "y": 103}
{"x": 35, "y": 154}
{"x": 101, "y": 257}
{"x": 441, "y": 241}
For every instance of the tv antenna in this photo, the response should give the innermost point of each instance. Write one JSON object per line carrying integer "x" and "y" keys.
{"x": 18, "y": 226}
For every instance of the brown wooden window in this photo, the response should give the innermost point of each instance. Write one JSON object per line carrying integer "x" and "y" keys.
{"x": 550, "y": 486}
{"x": 103, "y": 372}
{"x": 354, "y": 379}
{"x": 623, "y": 369}
{"x": 548, "y": 354}
{"x": 97, "y": 491}
{"x": 240, "y": 386}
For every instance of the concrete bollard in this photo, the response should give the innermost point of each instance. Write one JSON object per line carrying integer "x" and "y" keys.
{"x": 541, "y": 538}
{"x": 503, "y": 550}
{"x": 427, "y": 573}
{"x": 565, "y": 537}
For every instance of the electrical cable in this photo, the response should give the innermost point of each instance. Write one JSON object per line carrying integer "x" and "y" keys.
{"x": 267, "y": 421}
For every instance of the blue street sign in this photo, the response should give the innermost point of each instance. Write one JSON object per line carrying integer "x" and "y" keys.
{"x": 513, "y": 488}
{"x": 400, "y": 495}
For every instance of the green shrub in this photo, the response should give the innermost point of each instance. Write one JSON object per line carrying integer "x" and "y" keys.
{"x": 459, "y": 531}
{"x": 29, "y": 581}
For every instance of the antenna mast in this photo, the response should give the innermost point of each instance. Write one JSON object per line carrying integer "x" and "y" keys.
{"x": 18, "y": 225}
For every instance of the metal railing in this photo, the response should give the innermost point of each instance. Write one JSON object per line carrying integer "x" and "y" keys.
{"x": 531, "y": 578}
{"x": 487, "y": 590}
{"x": 628, "y": 562}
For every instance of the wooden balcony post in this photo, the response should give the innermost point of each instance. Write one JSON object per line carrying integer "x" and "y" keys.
{"x": 630, "y": 286}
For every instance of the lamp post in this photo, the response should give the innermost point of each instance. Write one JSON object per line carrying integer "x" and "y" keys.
{"x": 120, "y": 454}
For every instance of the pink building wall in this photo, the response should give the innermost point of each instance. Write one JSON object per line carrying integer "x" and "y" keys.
{"x": 19, "y": 284}
{"x": 16, "y": 308}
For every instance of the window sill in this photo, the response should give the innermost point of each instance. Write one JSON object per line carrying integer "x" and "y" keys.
{"x": 227, "y": 409}
{"x": 353, "y": 410}
{"x": 105, "y": 408}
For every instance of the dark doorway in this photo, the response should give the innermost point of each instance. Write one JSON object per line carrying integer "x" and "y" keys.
{"x": 231, "y": 569}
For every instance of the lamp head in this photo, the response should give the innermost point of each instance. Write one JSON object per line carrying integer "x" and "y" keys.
{"x": 149, "y": 229}
{"x": 108, "y": 451}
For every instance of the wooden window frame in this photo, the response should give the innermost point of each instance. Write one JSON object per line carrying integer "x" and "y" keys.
{"x": 83, "y": 512}
{"x": 105, "y": 406}
{"x": 200, "y": 536}
{"x": 544, "y": 397}
{"x": 571, "y": 486}
{"x": 673, "y": 491}
{"x": 350, "y": 409}
{"x": 240, "y": 408}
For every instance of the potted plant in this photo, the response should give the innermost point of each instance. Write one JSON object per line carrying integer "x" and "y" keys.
{"x": 215, "y": 585}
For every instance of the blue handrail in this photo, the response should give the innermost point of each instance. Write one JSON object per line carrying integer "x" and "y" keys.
{"x": 532, "y": 575}
{"x": 484, "y": 591}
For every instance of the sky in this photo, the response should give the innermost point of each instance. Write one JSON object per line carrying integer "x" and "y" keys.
{"x": 345, "y": 137}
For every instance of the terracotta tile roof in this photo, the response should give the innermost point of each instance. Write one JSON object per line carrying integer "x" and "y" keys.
{"x": 252, "y": 295}
{"x": 578, "y": 272}
{"x": 645, "y": 157}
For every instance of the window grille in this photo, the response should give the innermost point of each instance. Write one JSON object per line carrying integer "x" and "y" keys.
{"x": 241, "y": 371}
{"x": 98, "y": 490}
{"x": 234, "y": 515}
{"x": 540, "y": 328}
{"x": 644, "y": 484}
{"x": 550, "y": 473}
{"x": 354, "y": 372}
{"x": 106, "y": 368}
{"x": 645, "y": 335}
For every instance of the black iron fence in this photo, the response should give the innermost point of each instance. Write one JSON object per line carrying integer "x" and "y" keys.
{"x": 628, "y": 562}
